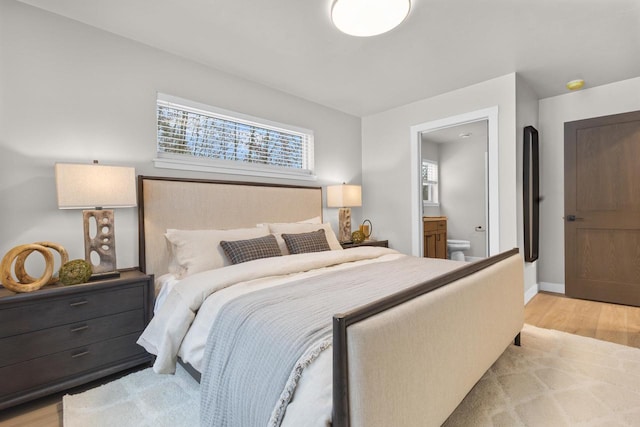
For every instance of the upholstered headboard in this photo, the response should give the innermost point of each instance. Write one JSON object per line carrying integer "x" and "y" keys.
{"x": 189, "y": 204}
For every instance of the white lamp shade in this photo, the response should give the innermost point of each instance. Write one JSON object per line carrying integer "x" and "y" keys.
{"x": 88, "y": 186}
{"x": 364, "y": 18}
{"x": 344, "y": 196}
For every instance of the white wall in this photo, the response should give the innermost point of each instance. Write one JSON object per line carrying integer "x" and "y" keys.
{"x": 386, "y": 164}
{"x": 614, "y": 98}
{"x": 73, "y": 93}
{"x": 462, "y": 191}
{"x": 430, "y": 150}
{"x": 526, "y": 115}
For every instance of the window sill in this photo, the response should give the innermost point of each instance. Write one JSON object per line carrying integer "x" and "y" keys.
{"x": 168, "y": 163}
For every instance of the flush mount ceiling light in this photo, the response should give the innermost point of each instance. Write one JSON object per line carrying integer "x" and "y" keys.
{"x": 364, "y": 18}
{"x": 465, "y": 135}
{"x": 575, "y": 84}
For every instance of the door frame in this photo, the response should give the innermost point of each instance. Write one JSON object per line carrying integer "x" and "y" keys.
{"x": 493, "y": 204}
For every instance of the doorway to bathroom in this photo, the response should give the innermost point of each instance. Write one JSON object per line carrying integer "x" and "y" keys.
{"x": 454, "y": 184}
{"x": 455, "y": 176}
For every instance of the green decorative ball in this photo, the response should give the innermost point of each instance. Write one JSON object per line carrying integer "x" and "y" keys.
{"x": 75, "y": 272}
{"x": 357, "y": 236}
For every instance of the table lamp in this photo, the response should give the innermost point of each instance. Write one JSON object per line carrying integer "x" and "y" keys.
{"x": 93, "y": 187}
{"x": 344, "y": 197}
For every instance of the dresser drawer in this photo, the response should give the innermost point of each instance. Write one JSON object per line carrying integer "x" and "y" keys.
{"x": 20, "y": 348}
{"x": 65, "y": 310}
{"x": 39, "y": 372}
{"x": 435, "y": 225}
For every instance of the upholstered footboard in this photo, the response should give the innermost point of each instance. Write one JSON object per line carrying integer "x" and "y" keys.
{"x": 410, "y": 360}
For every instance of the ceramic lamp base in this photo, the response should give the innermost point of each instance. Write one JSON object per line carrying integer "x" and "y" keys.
{"x": 344, "y": 225}
{"x": 103, "y": 243}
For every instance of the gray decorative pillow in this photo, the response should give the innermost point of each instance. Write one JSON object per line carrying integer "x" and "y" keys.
{"x": 247, "y": 250}
{"x": 302, "y": 243}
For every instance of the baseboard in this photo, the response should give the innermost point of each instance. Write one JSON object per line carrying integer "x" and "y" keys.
{"x": 557, "y": 288}
{"x": 530, "y": 293}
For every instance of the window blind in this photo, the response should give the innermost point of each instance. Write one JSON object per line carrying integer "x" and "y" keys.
{"x": 429, "y": 182}
{"x": 429, "y": 172}
{"x": 190, "y": 131}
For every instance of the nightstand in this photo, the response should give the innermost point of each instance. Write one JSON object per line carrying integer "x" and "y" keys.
{"x": 63, "y": 336}
{"x": 348, "y": 245}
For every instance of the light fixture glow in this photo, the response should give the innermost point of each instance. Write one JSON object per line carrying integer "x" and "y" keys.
{"x": 364, "y": 18}
{"x": 575, "y": 84}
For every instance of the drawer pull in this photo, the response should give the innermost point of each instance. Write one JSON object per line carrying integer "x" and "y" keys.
{"x": 78, "y": 303}
{"x": 82, "y": 353}
{"x": 79, "y": 328}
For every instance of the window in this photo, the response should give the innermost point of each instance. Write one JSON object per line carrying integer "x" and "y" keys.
{"x": 199, "y": 137}
{"x": 429, "y": 182}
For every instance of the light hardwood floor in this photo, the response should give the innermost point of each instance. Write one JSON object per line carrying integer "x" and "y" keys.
{"x": 609, "y": 322}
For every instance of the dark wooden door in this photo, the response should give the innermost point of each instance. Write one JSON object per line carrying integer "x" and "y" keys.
{"x": 602, "y": 208}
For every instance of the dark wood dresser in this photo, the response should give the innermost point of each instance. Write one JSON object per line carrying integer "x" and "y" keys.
{"x": 63, "y": 336}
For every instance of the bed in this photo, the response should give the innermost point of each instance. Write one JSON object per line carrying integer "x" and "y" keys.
{"x": 402, "y": 347}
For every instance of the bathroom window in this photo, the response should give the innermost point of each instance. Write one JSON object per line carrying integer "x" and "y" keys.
{"x": 429, "y": 183}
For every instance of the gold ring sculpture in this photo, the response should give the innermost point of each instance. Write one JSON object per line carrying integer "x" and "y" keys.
{"x": 20, "y": 272}
{"x": 25, "y": 282}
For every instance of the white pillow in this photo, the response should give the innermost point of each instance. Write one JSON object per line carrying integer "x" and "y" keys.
{"x": 295, "y": 227}
{"x": 199, "y": 250}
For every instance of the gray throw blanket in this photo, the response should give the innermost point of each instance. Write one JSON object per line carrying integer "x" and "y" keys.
{"x": 261, "y": 341}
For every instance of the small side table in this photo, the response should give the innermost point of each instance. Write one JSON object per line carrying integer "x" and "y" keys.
{"x": 382, "y": 243}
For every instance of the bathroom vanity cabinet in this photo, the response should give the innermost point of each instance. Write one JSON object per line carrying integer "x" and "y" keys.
{"x": 435, "y": 236}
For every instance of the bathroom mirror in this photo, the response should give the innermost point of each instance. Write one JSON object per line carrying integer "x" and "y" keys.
{"x": 531, "y": 194}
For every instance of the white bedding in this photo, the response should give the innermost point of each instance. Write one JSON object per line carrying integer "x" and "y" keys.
{"x": 163, "y": 287}
{"x": 192, "y": 348}
{"x": 315, "y": 384}
{"x": 168, "y": 329}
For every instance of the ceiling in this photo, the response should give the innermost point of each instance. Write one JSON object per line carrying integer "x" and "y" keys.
{"x": 476, "y": 131}
{"x": 291, "y": 45}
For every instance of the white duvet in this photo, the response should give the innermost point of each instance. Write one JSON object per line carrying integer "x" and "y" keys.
{"x": 182, "y": 321}
{"x": 165, "y": 333}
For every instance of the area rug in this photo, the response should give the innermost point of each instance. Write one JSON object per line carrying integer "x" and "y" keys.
{"x": 141, "y": 399}
{"x": 555, "y": 379}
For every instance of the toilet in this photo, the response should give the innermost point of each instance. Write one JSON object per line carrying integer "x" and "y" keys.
{"x": 456, "y": 249}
